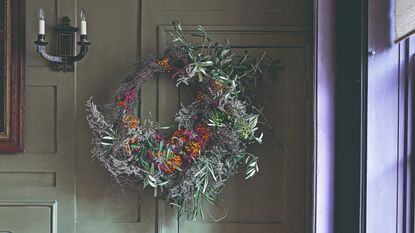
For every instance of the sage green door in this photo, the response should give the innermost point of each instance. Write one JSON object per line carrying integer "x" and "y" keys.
{"x": 55, "y": 187}
{"x": 278, "y": 199}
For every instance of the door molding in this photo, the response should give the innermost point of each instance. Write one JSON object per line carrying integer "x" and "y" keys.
{"x": 282, "y": 37}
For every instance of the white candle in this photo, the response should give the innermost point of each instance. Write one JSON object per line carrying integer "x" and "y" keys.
{"x": 83, "y": 21}
{"x": 83, "y": 27}
{"x": 41, "y": 22}
{"x": 42, "y": 26}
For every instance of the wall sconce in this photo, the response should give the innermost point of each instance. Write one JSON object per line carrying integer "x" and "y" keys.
{"x": 65, "y": 33}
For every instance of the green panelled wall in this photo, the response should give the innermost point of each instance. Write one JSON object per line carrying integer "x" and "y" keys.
{"x": 55, "y": 187}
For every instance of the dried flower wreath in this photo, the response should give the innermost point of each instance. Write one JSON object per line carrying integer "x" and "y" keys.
{"x": 190, "y": 167}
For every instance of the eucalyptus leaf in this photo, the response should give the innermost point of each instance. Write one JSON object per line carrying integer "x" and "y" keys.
{"x": 106, "y": 143}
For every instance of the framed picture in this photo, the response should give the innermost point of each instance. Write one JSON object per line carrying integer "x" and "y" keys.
{"x": 12, "y": 65}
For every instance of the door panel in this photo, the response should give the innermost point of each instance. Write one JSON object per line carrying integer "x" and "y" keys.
{"x": 277, "y": 199}
{"x": 31, "y": 218}
{"x": 103, "y": 206}
{"x": 56, "y": 166}
{"x": 33, "y": 183}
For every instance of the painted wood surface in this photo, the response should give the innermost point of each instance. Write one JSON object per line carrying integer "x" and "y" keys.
{"x": 390, "y": 129}
{"x": 278, "y": 199}
{"x": 57, "y": 187}
{"x": 325, "y": 54}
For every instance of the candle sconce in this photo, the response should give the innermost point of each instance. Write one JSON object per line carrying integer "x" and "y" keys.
{"x": 65, "y": 33}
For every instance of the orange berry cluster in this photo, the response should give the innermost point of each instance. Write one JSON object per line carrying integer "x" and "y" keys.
{"x": 204, "y": 133}
{"x": 131, "y": 121}
{"x": 193, "y": 148}
{"x": 176, "y": 160}
{"x": 120, "y": 102}
{"x": 171, "y": 163}
{"x": 192, "y": 144}
{"x": 165, "y": 63}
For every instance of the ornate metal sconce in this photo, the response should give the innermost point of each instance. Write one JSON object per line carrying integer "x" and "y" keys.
{"x": 65, "y": 33}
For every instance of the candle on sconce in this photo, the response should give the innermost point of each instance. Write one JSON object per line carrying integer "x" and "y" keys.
{"x": 41, "y": 16}
{"x": 65, "y": 36}
{"x": 83, "y": 21}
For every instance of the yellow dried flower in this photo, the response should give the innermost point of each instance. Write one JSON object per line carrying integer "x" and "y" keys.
{"x": 165, "y": 63}
{"x": 131, "y": 121}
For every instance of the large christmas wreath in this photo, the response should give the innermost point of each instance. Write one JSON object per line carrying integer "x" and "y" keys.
{"x": 189, "y": 167}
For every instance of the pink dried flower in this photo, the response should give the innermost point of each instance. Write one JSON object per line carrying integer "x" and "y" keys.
{"x": 130, "y": 96}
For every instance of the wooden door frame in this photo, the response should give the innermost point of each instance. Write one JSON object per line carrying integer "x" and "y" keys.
{"x": 340, "y": 124}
